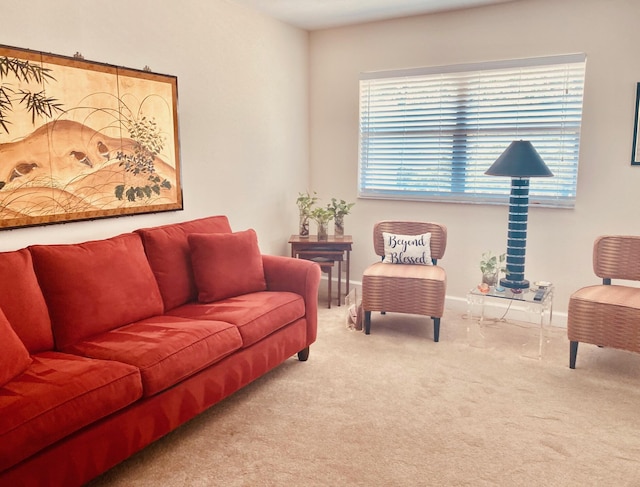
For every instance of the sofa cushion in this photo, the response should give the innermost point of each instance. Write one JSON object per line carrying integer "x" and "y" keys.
{"x": 14, "y": 357}
{"x": 168, "y": 252}
{"x": 95, "y": 286}
{"x": 226, "y": 265}
{"x": 256, "y": 315}
{"x": 57, "y": 395}
{"x": 166, "y": 349}
{"x": 22, "y": 301}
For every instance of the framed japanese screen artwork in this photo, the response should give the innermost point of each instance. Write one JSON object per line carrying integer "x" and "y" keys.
{"x": 82, "y": 140}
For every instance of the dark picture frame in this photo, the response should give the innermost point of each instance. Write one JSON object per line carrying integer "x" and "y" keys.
{"x": 81, "y": 140}
{"x": 635, "y": 152}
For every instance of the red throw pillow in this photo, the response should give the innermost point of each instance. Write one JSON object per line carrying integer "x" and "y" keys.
{"x": 167, "y": 250}
{"x": 226, "y": 264}
{"x": 14, "y": 357}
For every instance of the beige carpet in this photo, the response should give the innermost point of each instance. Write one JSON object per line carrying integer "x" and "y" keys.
{"x": 396, "y": 409}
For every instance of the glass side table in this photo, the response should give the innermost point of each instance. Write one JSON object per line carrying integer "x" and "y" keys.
{"x": 537, "y": 311}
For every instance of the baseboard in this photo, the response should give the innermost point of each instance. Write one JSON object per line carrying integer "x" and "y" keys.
{"x": 496, "y": 309}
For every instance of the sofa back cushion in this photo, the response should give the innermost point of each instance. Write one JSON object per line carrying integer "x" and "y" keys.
{"x": 168, "y": 252}
{"x": 14, "y": 357}
{"x": 22, "y": 301}
{"x": 96, "y": 286}
{"x": 226, "y": 265}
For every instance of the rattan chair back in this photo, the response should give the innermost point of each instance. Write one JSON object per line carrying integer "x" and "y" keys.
{"x": 617, "y": 257}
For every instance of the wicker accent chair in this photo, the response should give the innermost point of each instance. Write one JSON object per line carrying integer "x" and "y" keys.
{"x": 608, "y": 315}
{"x": 406, "y": 288}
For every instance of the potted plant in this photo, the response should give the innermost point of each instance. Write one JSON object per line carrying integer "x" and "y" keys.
{"x": 339, "y": 209}
{"x": 491, "y": 266}
{"x": 305, "y": 202}
{"x": 322, "y": 217}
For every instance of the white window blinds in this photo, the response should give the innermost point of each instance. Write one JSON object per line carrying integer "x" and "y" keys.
{"x": 430, "y": 134}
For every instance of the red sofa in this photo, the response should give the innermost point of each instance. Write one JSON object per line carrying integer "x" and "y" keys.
{"x": 105, "y": 346}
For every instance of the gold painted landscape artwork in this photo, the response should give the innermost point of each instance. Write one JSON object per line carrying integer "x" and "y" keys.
{"x": 82, "y": 140}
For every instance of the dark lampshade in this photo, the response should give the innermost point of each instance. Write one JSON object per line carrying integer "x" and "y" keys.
{"x": 519, "y": 160}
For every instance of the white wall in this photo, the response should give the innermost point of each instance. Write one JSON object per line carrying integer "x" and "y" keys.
{"x": 559, "y": 241}
{"x": 242, "y": 103}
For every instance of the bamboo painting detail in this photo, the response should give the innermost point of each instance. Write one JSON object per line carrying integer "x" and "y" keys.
{"x": 82, "y": 140}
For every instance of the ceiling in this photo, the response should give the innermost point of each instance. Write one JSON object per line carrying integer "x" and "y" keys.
{"x": 321, "y": 14}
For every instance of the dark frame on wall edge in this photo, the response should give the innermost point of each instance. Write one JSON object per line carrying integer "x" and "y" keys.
{"x": 635, "y": 152}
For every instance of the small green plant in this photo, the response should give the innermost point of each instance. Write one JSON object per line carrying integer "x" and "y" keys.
{"x": 321, "y": 215}
{"x": 339, "y": 208}
{"x": 305, "y": 202}
{"x": 492, "y": 264}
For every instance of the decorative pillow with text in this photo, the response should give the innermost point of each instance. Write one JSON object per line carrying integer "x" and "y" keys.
{"x": 407, "y": 249}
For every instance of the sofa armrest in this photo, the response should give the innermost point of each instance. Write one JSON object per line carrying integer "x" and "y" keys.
{"x": 297, "y": 276}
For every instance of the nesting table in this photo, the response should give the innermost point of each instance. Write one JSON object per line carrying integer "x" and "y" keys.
{"x": 326, "y": 252}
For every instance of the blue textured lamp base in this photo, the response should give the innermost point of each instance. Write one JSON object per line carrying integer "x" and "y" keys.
{"x": 517, "y": 236}
{"x": 524, "y": 284}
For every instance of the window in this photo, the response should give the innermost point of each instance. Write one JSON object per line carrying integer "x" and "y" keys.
{"x": 430, "y": 134}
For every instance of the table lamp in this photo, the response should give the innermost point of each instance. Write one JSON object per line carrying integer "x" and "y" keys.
{"x": 520, "y": 161}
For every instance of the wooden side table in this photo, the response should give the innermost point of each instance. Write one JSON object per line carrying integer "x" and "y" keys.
{"x": 330, "y": 249}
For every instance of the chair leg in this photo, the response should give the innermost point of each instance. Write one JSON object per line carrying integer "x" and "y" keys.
{"x": 329, "y": 286}
{"x": 436, "y": 329}
{"x": 367, "y": 322}
{"x": 573, "y": 353}
{"x": 303, "y": 355}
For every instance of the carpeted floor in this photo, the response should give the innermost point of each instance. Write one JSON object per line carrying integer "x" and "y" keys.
{"x": 479, "y": 408}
